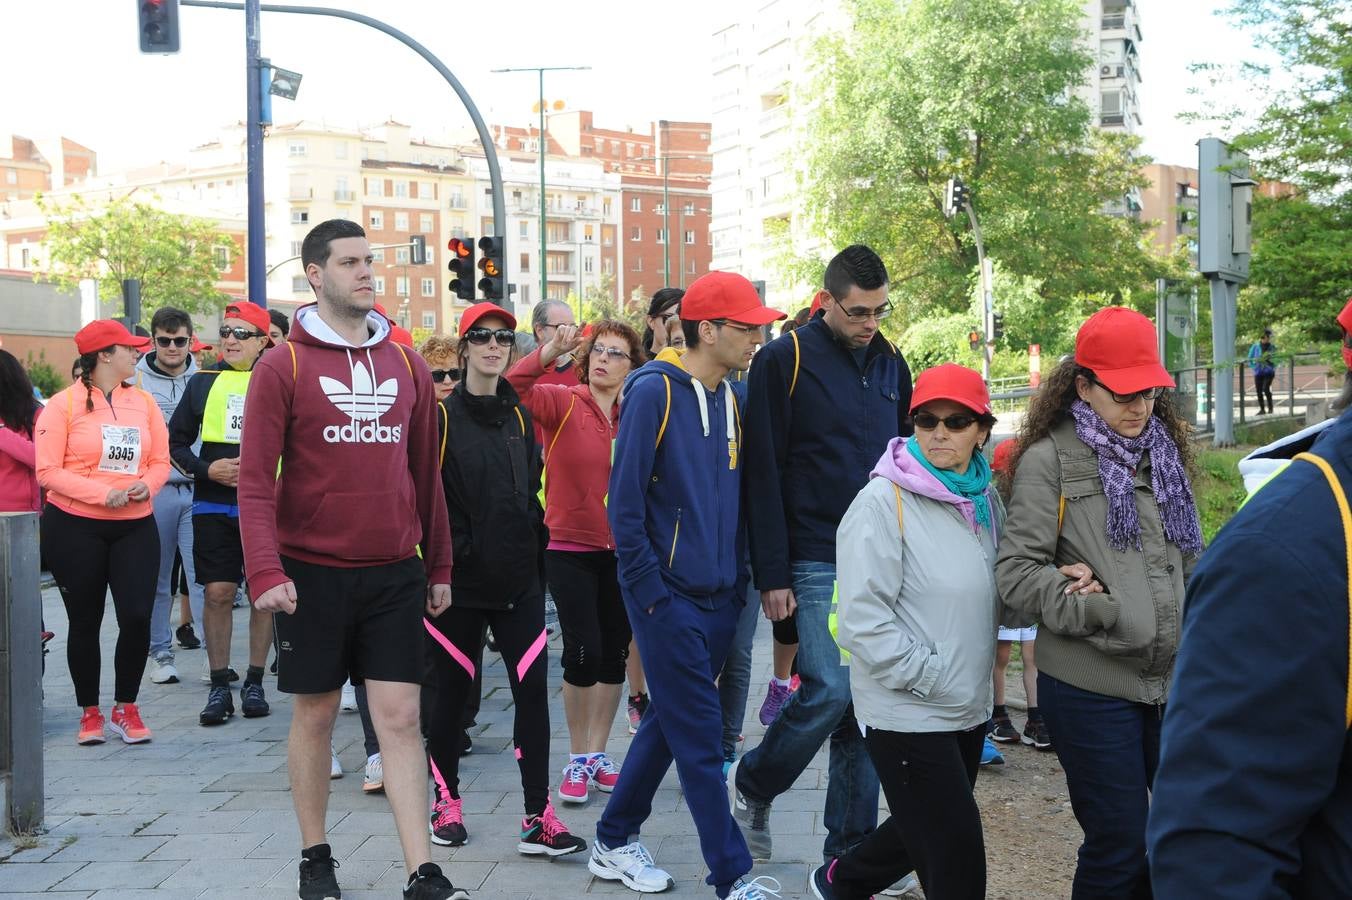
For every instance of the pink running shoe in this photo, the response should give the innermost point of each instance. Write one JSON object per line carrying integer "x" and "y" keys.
{"x": 545, "y": 835}
{"x": 573, "y": 788}
{"x": 604, "y": 773}
{"x": 774, "y": 700}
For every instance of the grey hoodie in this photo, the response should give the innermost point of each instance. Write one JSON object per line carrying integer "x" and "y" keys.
{"x": 167, "y": 391}
{"x": 918, "y": 605}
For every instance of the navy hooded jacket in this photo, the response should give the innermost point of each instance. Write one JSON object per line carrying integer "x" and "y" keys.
{"x": 1253, "y": 797}
{"x": 675, "y": 499}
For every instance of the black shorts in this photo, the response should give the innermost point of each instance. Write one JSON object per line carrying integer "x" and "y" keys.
{"x": 217, "y": 552}
{"x": 358, "y": 623}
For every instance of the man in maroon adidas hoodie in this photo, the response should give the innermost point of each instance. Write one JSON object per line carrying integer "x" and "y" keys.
{"x": 331, "y": 540}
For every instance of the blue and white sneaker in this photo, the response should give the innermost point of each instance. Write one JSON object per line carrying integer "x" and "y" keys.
{"x": 990, "y": 754}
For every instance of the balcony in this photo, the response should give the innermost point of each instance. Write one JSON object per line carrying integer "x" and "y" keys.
{"x": 344, "y": 196}
{"x": 457, "y": 202}
{"x": 300, "y": 193}
{"x": 774, "y": 119}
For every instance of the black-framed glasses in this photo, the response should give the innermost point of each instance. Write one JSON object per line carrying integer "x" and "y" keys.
{"x": 1147, "y": 394}
{"x": 167, "y": 342}
{"x": 505, "y": 337}
{"x": 744, "y": 329}
{"x": 927, "y": 421}
{"x": 863, "y": 313}
{"x": 440, "y": 375}
{"x": 240, "y": 334}
{"x": 612, "y": 354}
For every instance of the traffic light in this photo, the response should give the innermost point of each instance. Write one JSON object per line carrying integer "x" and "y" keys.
{"x": 974, "y": 340}
{"x": 997, "y": 325}
{"x": 418, "y": 252}
{"x": 491, "y": 265}
{"x": 462, "y": 267}
{"x": 159, "y": 26}
{"x": 955, "y": 197}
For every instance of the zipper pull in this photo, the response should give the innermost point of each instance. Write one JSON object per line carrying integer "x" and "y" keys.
{"x": 864, "y": 379}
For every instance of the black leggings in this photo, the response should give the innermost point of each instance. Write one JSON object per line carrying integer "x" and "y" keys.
{"x": 88, "y": 558}
{"x": 596, "y": 633}
{"x": 785, "y": 631}
{"x": 1263, "y": 386}
{"x": 455, "y": 641}
{"x": 935, "y": 826}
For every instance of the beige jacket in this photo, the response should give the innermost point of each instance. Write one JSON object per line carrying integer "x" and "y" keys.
{"x": 1122, "y": 642}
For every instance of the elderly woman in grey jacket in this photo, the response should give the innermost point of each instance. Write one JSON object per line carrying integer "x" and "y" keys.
{"x": 1101, "y": 486}
{"x": 918, "y": 615}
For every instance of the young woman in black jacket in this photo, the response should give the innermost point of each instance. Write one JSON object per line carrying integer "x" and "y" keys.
{"x": 490, "y": 471}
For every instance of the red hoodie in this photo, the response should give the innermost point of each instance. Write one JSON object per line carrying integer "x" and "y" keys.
{"x": 355, "y": 429}
{"x": 577, "y": 441}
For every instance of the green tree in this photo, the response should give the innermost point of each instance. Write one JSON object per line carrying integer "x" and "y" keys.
{"x": 985, "y": 90}
{"x": 174, "y": 256}
{"x": 44, "y": 375}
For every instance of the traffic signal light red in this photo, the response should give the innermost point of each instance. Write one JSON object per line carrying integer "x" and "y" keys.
{"x": 462, "y": 267}
{"x": 158, "y": 21}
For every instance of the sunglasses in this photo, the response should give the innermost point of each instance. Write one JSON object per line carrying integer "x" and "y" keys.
{"x": 167, "y": 342}
{"x": 929, "y": 421}
{"x": 612, "y": 354}
{"x": 240, "y": 334}
{"x": 1147, "y": 394}
{"x": 440, "y": 375}
{"x": 505, "y": 337}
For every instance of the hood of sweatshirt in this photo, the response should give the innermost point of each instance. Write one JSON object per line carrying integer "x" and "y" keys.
{"x": 671, "y": 362}
{"x": 153, "y": 378}
{"x": 314, "y": 330}
{"x": 898, "y": 466}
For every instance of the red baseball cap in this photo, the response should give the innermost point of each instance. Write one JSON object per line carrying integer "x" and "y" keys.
{"x": 816, "y": 305}
{"x": 198, "y": 346}
{"x": 101, "y": 334}
{"x": 952, "y": 382}
{"x": 1120, "y": 346}
{"x": 1345, "y": 317}
{"x": 401, "y": 335}
{"x": 481, "y": 310}
{"x": 252, "y": 313}
{"x": 1000, "y": 459}
{"x": 726, "y": 295}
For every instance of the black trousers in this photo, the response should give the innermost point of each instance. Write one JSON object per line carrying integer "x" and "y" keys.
{"x": 1263, "y": 386}
{"x": 935, "y": 826}
{"x": 455, "y": 641}
{"x": 89, "y": 557}
{"x": 596, "y": 633}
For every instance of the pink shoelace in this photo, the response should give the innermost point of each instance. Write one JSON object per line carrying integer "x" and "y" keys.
{"x": 449, "y": 812}
{"x": 550, "y": 824}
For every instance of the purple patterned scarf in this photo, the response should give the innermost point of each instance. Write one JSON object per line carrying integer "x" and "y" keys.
{"x": 1118, "y": 458}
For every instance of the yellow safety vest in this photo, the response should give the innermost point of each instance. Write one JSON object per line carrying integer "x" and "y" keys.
{"x": 223, "y": 417}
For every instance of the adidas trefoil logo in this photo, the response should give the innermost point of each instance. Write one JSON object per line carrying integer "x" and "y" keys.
{"x": 363, "y": 403}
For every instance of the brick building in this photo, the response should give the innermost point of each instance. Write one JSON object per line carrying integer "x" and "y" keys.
{"x": 41, "y": 165}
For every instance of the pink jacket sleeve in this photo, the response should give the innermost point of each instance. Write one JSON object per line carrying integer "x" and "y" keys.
{"x": 13, "y": 443}
{"x": 548, "y": 403}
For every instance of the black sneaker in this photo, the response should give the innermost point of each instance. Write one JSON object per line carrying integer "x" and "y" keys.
{"x": 1036, "y": 735}
{"x": 429, "y": 884}
{"x": 820, "y": 881}
{"x": 1004, "y": 730}
{"x": 187, "y": 638}
{"x": 317, "y": 881}
{"x": 252, "y": 702}
{"x": 545, "y": 835}
{"x": 466, "y": 745}
{"x": 220, "y": 706}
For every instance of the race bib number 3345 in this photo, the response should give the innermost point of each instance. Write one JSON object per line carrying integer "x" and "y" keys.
{"x": 121, "y": 449}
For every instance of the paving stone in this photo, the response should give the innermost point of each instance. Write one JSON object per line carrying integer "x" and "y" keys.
{"x": 38, "y": 876}
{"x": 96, "y": 876}
{"x": 100, "y": 848}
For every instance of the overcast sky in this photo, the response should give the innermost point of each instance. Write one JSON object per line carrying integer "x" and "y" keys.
{"x": 73, "y": 68}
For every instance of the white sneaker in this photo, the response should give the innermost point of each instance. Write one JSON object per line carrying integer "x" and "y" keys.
{"x": 755, "y": 889}
{"x": 335, "y": 767}
{"x": 374, "y": 781}
{"x": 162, "y": 669}
{"x": 907, "y": 887}
{"x": 631, "y": 864}
{"x": 348, "y": 703}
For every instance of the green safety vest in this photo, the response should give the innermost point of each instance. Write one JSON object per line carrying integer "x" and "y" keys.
{"x": 223, "y": 417}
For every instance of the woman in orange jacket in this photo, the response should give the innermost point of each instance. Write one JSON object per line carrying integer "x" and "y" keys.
{"x": 102, "y": 453}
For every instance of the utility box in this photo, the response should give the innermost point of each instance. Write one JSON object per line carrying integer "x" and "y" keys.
{"x": 1224, "y": 211}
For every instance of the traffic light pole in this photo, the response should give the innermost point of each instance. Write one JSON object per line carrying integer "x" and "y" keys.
{"x": 987, "y": 295}
{"x": 480, "y": 127}
{"x": 257, "y": 240}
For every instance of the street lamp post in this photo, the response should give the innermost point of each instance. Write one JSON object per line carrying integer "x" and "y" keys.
{"x": 666, "y": 207}
{"x": 541, "y": 70}
{"x": 681, "y": 229}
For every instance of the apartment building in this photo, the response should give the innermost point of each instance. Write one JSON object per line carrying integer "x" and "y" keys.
{"x": 41, "y": 165}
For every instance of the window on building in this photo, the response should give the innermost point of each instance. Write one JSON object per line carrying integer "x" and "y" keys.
{"x": 299, "y": 283}
{"x": 378, "y": 284}
{"x": 608, "y": 237}
{"x": 402, "y": 256}
{"x": 429, "y": 320}
{"x": 425, "y": 223}
{"x": 340, "y": 191}
{"x": 11, "y": 176}
{"x": 589, "y": 233}
{"x": 401, "y": 222}
{"x": 431, "y": 254}
{"x": 588, "y": 264}
{"x": 375, "y": 187}
{"x": 429, "y": 287}
{"x": 300, "y": 216}
{"x": 401, "y": 189}
{"x": 523, "y": 228}
{"x": 377, "y": 221}
{"x": 340, "y": 150}
{"x": 636, "y": 233}
{"x": 296, "y": 148}
{"x": 295, "y": 247}
{"x": 689, "y": 237}
{"x": 525, "y": 294}
{"x": 660, "y": 209}
{"x": 605, "y": 207}
{"x": 525, "y": 262}
{"x": 401, "y": 286}
{"x": 690, "y": 267}
{"x": 378, "y": 254}
{"x": 636, "y": 205}
{"x": 661, "y": 236}
{"x": 690, "y": 209}
{"x": 629, "y": 149}
{"x": 638, "y": 264}
{"x": 608, "y": 266}
{"x": 614, "y": 148}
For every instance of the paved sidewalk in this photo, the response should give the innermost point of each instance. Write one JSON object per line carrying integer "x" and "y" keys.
{"x": 205, "y": 812}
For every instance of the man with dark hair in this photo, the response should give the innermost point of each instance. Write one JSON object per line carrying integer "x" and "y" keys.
{"x": 280, "y": 328}
{"x": 823, "y": 402}
{"x": 676, "y": 512}
{"x": 165, "y": 373}
{"x": 332, "y": 542}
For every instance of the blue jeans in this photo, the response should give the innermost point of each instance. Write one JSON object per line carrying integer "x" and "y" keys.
{"x": 734, "y": 684}
{"x": 1109, "y": 749}
{"x": 173, "y": 521}
{"x": 819, "y": 710}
